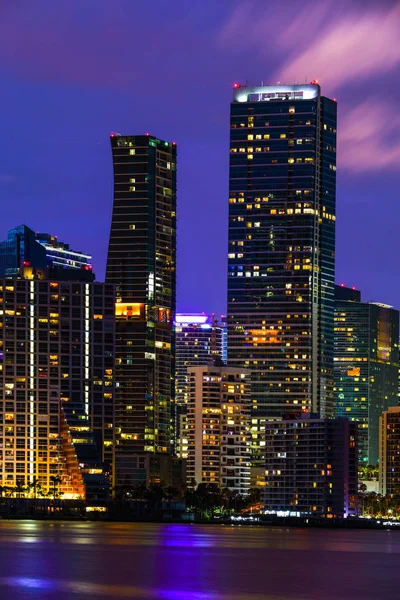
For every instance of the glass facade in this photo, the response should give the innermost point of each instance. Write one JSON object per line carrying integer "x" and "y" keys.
{"x": 365, "y": 366}
{"x": 281, "y": 257}
{"x": 141, "y": 263}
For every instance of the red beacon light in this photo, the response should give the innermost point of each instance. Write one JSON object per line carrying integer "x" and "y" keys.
{"x": 114, "y": 134}
{"x": 315, "y": 82}
{"x": 354, "y": 287}
{"x": 342, "y": 285}
{"x": 236, "y": 85}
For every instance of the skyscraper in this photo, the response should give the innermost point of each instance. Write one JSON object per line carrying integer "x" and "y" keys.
{"x": 281, "y": 257}
{"x": 366, "y": 365}
{"x": 141, "y": 263}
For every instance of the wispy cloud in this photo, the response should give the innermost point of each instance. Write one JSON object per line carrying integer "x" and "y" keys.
{"x": 370, "y": 137}
{"x": 341, "y": 44}
{"x": 353, "y": 46}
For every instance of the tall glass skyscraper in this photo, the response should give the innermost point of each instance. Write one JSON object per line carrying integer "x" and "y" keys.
{"x": 141, "y": 263}
{"x": 366, "y": 365}
{"x": 281, "y": 258}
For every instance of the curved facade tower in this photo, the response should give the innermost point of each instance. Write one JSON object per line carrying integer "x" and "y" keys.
{"x": 142, "y": 264}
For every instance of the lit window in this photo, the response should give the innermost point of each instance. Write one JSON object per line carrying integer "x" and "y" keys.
{"x": 266, "y": 136}
{"x": 132, "y": 180}
{"x": 282, "y": 136}
{"x": 132, "y": 226}
{"x": 291, "y": 110}
{"x": 132, "y": 151}
{"x": 250, "y": 137}
{"x": 132, "y": 188}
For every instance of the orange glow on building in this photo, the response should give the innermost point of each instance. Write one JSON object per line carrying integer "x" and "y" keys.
{"x": 264, "y": 336}
{"x": 127, "y": 310}
{"x": 354, "y": 372}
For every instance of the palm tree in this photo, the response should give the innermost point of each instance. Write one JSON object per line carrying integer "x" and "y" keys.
{"x": 55, "y": 479}
{"x": 362, "y": 489}
{"x": 35, "y": 486}
{"x": 19, "y": 488}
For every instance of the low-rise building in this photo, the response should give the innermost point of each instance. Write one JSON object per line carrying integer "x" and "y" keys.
{"x": 311, "y": 466}
{"x": 219, "y": 427}
{"x": 389, "y": 452}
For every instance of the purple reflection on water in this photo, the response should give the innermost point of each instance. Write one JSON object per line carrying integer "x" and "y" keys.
{"x": 28, "y": 582}
{"x": 180, "y": 535}
{"x": 185, "y": 595}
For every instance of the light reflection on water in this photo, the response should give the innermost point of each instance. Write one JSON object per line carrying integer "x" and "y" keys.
{"x": 68, "y": 561}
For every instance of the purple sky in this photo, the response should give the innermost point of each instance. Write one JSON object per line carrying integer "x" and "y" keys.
{"x": 72, "y": 72}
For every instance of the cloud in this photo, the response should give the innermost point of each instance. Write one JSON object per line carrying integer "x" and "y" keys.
{"x": 363, "y": 145}
{"x": 332, "y": 41}
{"x": 340, "y": 43}
{"x": 355, "y": 46}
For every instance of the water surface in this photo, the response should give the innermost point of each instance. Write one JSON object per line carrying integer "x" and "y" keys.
{"x": 103, "y": 561}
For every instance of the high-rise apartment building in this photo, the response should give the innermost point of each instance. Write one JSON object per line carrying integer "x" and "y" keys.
{"x": 57, "y": 386}
{"x": 281, "y": 256}
{"x": 389, "y": 452}
{"x": 219, "y": 427}
{"x": 141, "y": 264}
{"x": 311, "y": 466}
{"x": 366, "y": 365}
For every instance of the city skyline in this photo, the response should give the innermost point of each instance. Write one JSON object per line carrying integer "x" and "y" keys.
{"x": 56, "y": 147}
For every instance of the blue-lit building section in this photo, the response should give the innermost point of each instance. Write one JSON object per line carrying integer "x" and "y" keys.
{"x": 61, "y": 256}
{"x": 199, "y": 340}
{"x": 31, "y": 255}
